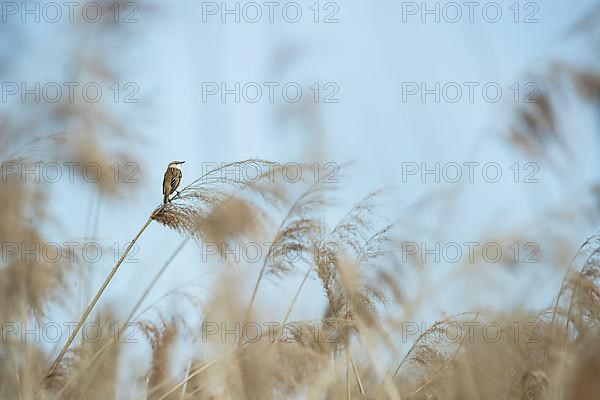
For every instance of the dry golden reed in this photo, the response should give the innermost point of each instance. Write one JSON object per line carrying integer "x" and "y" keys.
{"x": 353, "y": 261}
{"x": 358, "y": 284}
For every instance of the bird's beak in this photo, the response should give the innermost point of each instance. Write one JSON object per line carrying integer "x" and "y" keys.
{"x": 181, "y": 162}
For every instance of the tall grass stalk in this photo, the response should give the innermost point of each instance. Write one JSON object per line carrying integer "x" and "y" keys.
{"x": 92, "y": 304}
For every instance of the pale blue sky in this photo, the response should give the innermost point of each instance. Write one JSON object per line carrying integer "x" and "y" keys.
{"x": 368, "y": 54}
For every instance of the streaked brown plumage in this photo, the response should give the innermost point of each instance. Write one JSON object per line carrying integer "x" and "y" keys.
{"x": 172, "y": 179}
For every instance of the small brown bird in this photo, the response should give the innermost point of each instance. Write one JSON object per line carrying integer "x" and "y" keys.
{"x": 172, "y": 179}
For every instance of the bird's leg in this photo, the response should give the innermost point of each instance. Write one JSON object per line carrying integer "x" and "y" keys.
{"x": 178, "y": 194}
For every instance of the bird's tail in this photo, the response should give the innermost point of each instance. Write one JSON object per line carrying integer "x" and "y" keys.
{"x": 166, "y": 198}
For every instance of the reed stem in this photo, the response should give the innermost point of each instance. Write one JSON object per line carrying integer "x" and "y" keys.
{"x": 92, "y": 304}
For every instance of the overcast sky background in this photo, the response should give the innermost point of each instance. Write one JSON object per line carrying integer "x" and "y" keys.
{"x": 368, "y": 54}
